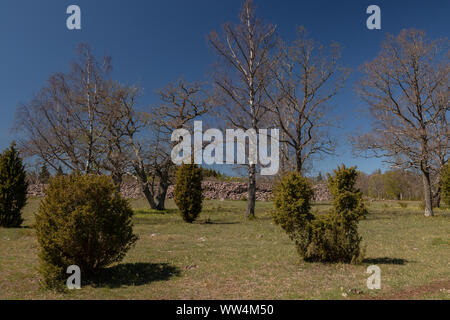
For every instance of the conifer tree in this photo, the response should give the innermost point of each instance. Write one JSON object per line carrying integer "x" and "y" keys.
{"x": 13, "y": 188}
{"x": 44, "y": 175}
{"x": 188, "y": 191}
{"x": 330, "y": 237}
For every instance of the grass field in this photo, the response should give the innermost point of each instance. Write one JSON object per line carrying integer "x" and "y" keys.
{"x": 223, "y": 256}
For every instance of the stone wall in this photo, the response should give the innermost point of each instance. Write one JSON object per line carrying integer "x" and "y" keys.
{"x": 36, "y": 190}
{"x": 211, "y": 190}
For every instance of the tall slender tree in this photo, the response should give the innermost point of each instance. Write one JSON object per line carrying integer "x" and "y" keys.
{"x": 244, "y": 52}
{"x": 13, "y": 188}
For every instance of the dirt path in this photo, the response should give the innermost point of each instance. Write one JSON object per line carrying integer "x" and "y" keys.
{"x": 415, "y": 292}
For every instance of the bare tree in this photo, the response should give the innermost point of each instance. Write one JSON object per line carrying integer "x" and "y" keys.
{"x": 306, "y": 76}
{"x": 91, "y": 124}
{"x": 127, "y": 142}
{"x": 117, "y": 115}
{"x": 181, "y": 103}
{"x": 441, "y": 144}
{"x": 406, "y": 87}
{"x": 60, "y": 124}
{"x": 245, "y": 50}
{"x": 148, "y": 134}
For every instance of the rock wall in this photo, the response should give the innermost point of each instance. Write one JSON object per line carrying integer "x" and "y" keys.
{"x": 36, "y": 190}
{"x": 321, "y": 192}
{"x": 231, "y": 191}
{"x": 211, "y": 190}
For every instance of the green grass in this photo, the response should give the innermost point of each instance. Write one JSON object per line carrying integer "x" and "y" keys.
{"x": 224, "y": 256}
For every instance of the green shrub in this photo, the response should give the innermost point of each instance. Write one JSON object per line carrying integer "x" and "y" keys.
{"x": 188, "y": 191}
{"x": 82, "y": 221}
{"x": 445, "y": 184}
{"x": 347, "y": 199}
{"x": 332, "y": 237}
{"x": 13, "y": 188}
{"x": 403, "y": 205}
{"x": 292, "y": 199}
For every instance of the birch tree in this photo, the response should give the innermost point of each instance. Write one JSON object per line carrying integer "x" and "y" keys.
{"x": 244, "y": 52}
{"x": 60, "y": 124}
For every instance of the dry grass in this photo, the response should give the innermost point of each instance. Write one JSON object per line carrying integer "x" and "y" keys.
{"x": 223, "y": 256}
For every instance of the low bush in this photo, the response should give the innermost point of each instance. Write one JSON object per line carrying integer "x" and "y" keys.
{"x": 83, "y": 221}
{"x": 332, "y": 237}
{"x": 403, "y": 205}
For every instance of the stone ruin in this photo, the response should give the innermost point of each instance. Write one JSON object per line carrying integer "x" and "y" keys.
{"x": 211, "y": 190}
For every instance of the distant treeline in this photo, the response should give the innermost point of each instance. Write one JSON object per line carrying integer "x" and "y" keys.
{"x": 392, "y": 185}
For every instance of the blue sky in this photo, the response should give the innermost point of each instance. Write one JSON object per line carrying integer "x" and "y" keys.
{"x": 158, "y": 41}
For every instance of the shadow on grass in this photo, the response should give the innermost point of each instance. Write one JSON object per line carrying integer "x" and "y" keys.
{"x": 217, "y": 222}
{"x": 133, "y": 274}
{"x": 21, "y": 227}
{"x": 155, "y": 212}
{"x": 386, "y": 260}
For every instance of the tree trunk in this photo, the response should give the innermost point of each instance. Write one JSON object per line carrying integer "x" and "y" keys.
{"x": 148, "y": 194}
{"x": 251, "y": 191}
{"x": 298, "y": 160}
{"x": 161, "y": 195}
{"x": 427, "y": 194}
{"x": 117, "y": 179}
{"x": 437, "y": 198}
